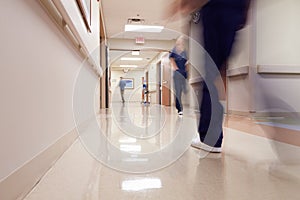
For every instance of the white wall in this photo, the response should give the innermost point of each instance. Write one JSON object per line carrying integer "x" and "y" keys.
{"x": 278, "y": 29}
{"x": 271, "y": 40}
{"x": 153, "y": 81}
{"x": 239, "y": 92}
{"x": 278, "y": 43}
{"x": 38, "y": 71}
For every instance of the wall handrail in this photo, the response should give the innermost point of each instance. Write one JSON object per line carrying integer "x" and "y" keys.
{"x": 279, "y": 69}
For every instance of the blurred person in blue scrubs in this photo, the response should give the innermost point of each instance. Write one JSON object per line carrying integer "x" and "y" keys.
{"x": 179, "y": 62}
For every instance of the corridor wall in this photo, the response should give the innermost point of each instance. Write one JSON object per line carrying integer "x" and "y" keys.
{"x": 39, "y": 67}
{"x": 264, "y": 68}
{"x": 269, "y": 46}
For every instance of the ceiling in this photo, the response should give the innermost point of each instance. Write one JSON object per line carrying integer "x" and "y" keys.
{"x": 116, "y": 14}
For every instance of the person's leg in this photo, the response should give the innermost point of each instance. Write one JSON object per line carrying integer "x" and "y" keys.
{"x": 181, "y": 81}
{"x": 211, "y": 117}
{"x": 210, "y": 130}
{"x": 205, "y": 113}
{"x": 221, "y": 20}
{"x": 178, "y": 90}
{"x": 122, "y": 95}
{"x": 220, "y": 25}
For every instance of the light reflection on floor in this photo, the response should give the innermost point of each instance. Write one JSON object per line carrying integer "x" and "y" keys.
{"x": 248, "y": 168}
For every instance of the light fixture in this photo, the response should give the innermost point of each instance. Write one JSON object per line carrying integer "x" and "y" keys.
{"x": 143, "y": 28}
{"x": 131, "y": 58}
{"x": 141, "y": 184}
{"x": 135, "y": 53}
{"x": 129, "y": 66}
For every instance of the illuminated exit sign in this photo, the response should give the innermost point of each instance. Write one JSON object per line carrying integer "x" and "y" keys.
{"x": 139, "y": 40}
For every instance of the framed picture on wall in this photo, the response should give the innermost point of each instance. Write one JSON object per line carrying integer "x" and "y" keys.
{"x": 85, "y": 7}
{"x": 129, "y": 83}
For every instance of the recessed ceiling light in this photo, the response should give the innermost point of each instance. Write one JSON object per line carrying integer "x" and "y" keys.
{"x": 141, "y": 184}
{"x": 129, "y": 66}
{"x": 135, "y": 53}
{"x": 143, "y": 28}
{"x": 133, "y": 59}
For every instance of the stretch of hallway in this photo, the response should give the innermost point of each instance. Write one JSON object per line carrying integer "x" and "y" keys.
{"x": 124, "y": 99}
{"x": 242, "y": 171}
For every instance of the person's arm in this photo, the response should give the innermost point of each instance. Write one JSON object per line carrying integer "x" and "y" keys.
{"x": 187, "y": 66}
{"x": 173, "y": 64}
{"x": 184, "y": 7}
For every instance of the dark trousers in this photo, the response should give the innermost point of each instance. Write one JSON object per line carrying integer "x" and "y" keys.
{"x": 179, "y": 86}
{"x": 220, "y": 23}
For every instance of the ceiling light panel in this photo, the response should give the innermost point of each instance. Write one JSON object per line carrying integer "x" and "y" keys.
{"x": 129, "y": 66}
{"x": 135, "y": 53}
{"x": 143, "y": 28}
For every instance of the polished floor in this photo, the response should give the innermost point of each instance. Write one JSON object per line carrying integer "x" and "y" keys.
{"x": 147, "y": 156}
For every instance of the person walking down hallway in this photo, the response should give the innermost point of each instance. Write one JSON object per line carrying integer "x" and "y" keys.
{"x": 179, "y": 63}
{"x": 122, "y": 84}
{"x": 221, "y": 19}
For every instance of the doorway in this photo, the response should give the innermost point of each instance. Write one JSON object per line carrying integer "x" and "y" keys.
{"x": 164, "y": 83}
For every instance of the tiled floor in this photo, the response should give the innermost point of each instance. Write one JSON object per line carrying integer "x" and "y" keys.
{"x": 250, "y": 167}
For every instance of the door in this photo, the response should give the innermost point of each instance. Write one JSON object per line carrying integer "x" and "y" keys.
{"x": 158, "y": 81}
{"x": 166, "y": 84}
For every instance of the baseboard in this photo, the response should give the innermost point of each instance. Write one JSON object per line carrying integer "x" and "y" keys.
{"x": 20, "y": 183}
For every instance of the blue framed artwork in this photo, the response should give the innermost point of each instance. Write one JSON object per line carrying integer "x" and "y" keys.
{"x": 129, "y": 83}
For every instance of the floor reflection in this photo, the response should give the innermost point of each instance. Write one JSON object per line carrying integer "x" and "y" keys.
{"x": 248, "y": 168}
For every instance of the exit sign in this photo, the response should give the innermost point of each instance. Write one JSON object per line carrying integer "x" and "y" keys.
{"x": 139, "y": 40}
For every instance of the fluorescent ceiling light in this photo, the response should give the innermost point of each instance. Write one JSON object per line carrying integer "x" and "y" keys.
{"x": 143, "y": 28}
{"x": 133, "y": 59}
{"x": 135, "y": 53}
{"x": 141, "y": 184}
{"x": 129, "y": 66}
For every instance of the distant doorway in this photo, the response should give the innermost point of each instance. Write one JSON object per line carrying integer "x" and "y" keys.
{"x": 166, "y": 84}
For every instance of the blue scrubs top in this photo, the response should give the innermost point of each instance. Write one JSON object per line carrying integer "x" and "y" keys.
{"x": 180, "y": 60}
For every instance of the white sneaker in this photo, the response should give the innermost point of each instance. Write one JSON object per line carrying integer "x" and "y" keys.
{"x": 180, "y": 113}
{"x": 196, "y": 143}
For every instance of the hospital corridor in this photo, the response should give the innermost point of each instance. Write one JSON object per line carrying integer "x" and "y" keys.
{"x": 162, "y": 100}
